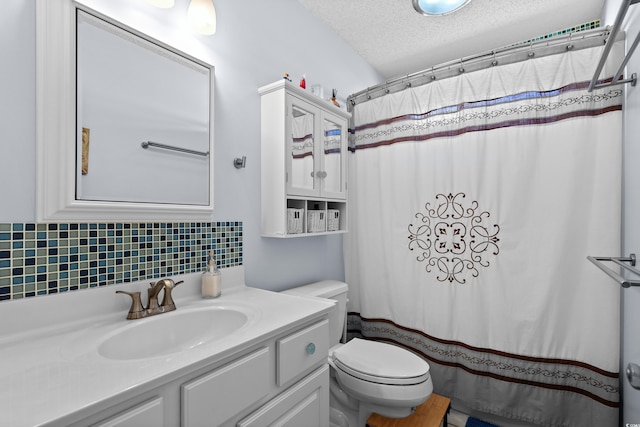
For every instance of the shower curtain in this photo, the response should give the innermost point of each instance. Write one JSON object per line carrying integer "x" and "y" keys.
{"x": 474, "y": 202}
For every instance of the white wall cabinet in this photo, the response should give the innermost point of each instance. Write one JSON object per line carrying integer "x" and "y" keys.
{"x": 281, "y": 381}
{"x": 304, "y": 163}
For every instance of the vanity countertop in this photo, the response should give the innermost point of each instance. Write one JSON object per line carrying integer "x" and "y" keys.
{"x": 53, "y": 372}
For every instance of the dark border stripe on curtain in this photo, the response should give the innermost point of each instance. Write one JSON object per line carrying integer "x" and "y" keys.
{"x": 551, "y": 373}
{"x": 491, "y": 126}
{"x": 480, "y": 104}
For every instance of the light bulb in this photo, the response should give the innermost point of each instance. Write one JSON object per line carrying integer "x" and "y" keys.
{"x": 202, "y": 16}
{"x": 164, "y": 4}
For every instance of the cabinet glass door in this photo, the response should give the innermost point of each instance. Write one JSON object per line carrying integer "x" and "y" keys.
{"x": 302, "y": 148}
{"x": 333, "y": 156}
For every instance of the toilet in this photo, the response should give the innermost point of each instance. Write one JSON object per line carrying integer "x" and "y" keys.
{"x": 367, "y": 376}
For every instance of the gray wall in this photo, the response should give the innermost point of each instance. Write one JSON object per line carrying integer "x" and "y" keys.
{"x": 256, "y": 42}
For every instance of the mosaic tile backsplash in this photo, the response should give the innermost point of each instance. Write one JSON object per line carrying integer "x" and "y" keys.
{"x": 40, "y": 259}
{"x": 582, "y": 27}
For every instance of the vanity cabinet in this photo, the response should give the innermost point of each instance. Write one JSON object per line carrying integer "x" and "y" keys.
{"x": 304, "y": 163}
{"x": 277, "y": 380}
{"x": 280, "y": 381}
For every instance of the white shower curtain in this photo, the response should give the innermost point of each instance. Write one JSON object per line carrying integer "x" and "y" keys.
{"x": 474, "y": 202}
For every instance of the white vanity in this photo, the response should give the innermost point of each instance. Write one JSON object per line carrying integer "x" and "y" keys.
{"x": 74, "y": 360}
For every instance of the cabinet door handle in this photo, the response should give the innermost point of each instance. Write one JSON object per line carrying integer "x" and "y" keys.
{"x": 311, "y": 348}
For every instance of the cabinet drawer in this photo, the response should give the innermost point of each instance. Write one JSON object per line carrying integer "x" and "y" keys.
{"x": 221, "y": 394}
{"x": 146, "y": 414}
{"x": 305, "y": 404}
{"x": 302, "y": 351}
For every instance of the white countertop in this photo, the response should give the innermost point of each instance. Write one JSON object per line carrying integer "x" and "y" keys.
{"x": 51, "y": 368}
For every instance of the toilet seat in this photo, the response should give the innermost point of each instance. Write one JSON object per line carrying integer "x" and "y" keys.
{"x": 380, "y": 363}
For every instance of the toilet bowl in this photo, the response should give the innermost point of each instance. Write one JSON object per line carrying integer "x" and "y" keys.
{"x": 367, "y": 376}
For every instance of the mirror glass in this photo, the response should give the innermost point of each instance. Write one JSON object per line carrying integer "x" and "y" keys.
{"x": 143, "y": 131}
{"x": 332, "y": 157}
{"x": 302, "y": 145}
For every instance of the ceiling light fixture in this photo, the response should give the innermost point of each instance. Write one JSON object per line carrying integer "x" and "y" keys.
{"x": 202, "y": 16}
{"x": 163, "y": 4}
{"x": 438, "y": 7}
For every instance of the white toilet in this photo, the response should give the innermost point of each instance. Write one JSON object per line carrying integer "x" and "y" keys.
{"x": 367, "y": 376}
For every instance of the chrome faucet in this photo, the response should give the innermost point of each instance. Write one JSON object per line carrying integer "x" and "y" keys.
{"x": 138, "y": 311}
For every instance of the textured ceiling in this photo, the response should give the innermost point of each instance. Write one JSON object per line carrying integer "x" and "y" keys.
{"x": 396, "y": 40}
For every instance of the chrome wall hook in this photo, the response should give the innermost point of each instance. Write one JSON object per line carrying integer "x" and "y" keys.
{"x": 240, "y": 162}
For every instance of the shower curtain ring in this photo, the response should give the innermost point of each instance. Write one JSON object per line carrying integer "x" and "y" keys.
{"x": 461, "y": 69}
{"x": 531, "y": 53}
{"x": 433, "y": 74}
{"x": 494, "y": 62}
{"x": 570, "y": 45}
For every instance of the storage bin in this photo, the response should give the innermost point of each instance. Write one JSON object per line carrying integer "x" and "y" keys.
{"x": 294, "y": 220}
{"x": 333, "y": 220}
{"x": 316, "y": 221}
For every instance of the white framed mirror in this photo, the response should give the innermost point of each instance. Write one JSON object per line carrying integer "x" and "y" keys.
{"x": 124, "y": 122}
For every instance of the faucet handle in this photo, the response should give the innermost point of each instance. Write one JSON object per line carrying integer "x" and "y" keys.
{"x": 167, "y": 299}
{"x": 136, "y": 311}
{"x": 152, "y": 292}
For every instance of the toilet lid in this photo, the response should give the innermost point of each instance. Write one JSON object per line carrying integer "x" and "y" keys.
{"x": 380, "y": 362}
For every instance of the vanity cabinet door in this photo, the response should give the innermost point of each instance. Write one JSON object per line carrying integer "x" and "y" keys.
{"x": 212, "y": 399}
{"x": 148, "y": 414}
{"x": 305, "y": 404}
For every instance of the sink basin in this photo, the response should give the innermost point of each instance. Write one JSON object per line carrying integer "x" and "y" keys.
{"x": 168, "y": 333}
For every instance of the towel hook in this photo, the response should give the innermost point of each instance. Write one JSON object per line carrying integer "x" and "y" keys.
{"x": 240, "y": 162}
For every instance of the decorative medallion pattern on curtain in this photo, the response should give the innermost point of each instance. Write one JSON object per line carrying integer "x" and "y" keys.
{"x": 503, "y": 180}
{"x": 453, "y": 238}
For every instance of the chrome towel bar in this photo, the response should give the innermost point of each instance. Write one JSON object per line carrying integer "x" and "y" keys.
{"x": 631, "y": 259}
{"x": 624, "y": 6}
{"x": 147, "y": 144}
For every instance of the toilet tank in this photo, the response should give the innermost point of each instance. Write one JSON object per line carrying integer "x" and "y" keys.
{"x": 329, "y": 289}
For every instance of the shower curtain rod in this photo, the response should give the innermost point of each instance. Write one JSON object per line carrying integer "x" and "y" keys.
{"x": 505, "y": 55}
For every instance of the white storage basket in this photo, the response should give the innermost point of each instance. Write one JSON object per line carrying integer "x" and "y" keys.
{"x": 333, "y": 220}
{"x": 294, "y": 220}
{"x": 316, "y": 221}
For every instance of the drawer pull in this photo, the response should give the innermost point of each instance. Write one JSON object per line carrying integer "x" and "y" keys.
{"x": 311, "y": 348}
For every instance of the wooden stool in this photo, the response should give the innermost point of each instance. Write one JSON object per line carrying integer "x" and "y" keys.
{"x": 432, "y": 413}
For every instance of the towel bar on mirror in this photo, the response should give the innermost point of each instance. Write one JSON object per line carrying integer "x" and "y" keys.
{"x": 631, "y": 259}
{"x": 147, "y": 144}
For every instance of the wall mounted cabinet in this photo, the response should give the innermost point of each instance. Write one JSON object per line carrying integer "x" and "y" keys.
{"x": 304, "y": 163}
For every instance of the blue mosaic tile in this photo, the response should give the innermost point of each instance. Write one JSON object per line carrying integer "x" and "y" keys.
{"x": 40, "y": 259}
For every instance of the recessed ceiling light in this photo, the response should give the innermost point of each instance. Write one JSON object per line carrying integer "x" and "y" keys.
{"x": 438, "y": 7}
